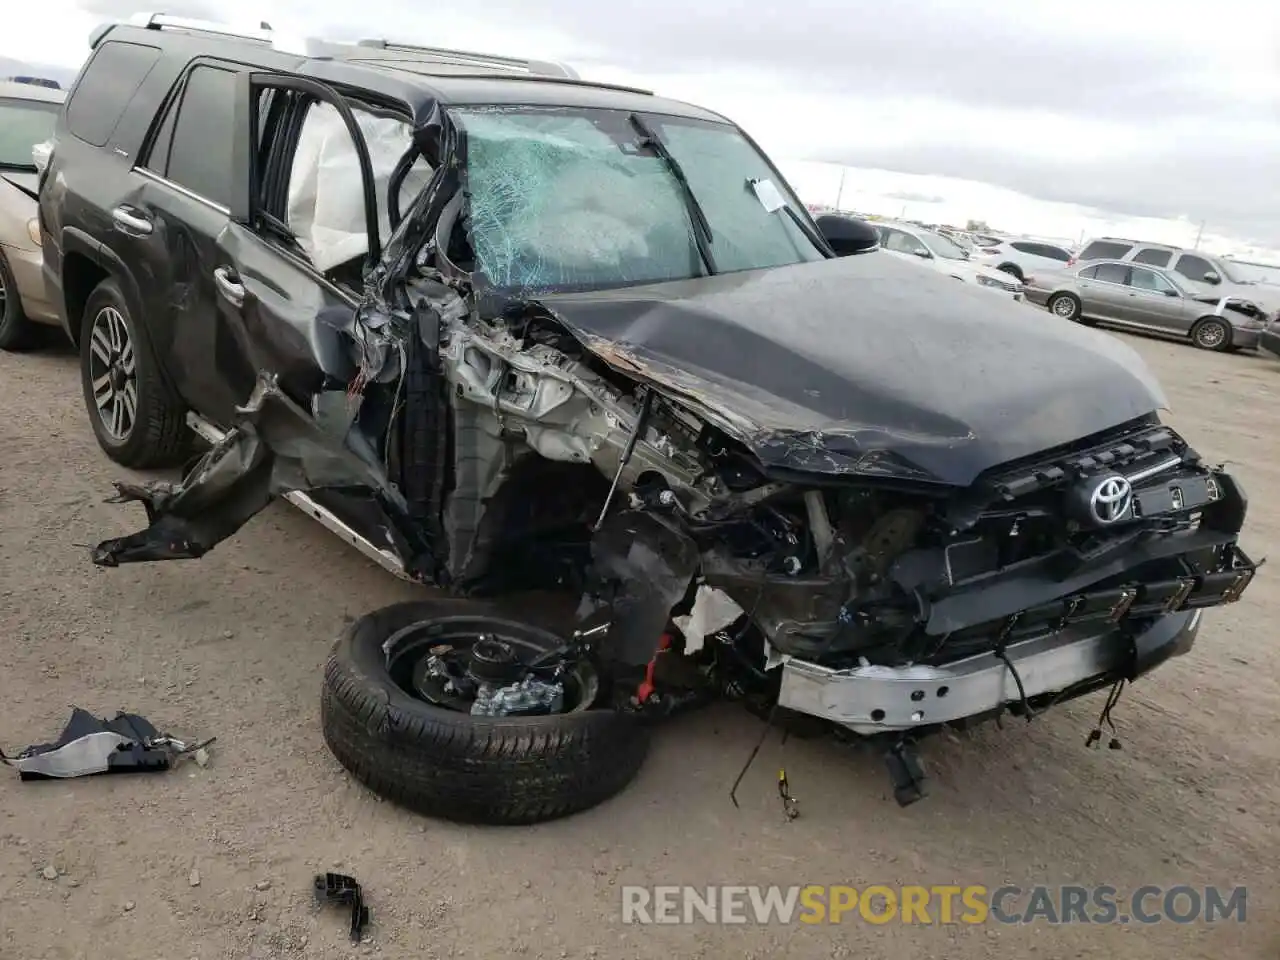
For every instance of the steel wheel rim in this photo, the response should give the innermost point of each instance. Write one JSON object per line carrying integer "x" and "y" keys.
{"x": 1211, "y": 335}
{"x": 407, "y": 649}
{"x": 1063, "y": 307}
{"x": 113, "y": 373}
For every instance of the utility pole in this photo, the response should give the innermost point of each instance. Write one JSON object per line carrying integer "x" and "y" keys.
{"x": 840, "y": 192}
{"x": 1199, "y": 234}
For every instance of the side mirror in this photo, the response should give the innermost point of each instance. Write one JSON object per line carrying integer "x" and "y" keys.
{"x": 1171, "y": 293}
{"x": 1212, "y": 277}
{"x": 846, "y": 235}
{"x": 922, "y": 253}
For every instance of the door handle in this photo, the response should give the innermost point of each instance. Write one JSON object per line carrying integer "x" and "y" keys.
{"x": 229, "y": 285}
{"x": 130, "y": 222}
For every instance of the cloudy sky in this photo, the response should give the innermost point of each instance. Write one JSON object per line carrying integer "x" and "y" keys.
{"x": 1142, "y": 109}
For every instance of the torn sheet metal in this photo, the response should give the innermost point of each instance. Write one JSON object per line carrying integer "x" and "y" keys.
{"x": 643, "y": 567}
{"x": 276, "y": 448}
{"x": 872, "y": 370}
{"x": 88, "y": 746}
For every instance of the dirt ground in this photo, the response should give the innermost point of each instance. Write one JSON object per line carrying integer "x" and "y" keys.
{"x": 232, "y": 646}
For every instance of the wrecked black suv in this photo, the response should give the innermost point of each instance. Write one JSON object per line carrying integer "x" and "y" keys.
{"x": 507, "y": 330}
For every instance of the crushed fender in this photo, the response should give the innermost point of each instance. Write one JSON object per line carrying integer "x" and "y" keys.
{"x": 276, "y": 448}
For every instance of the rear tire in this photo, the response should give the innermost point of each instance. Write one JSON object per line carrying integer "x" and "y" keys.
{"x": 16, "y": 331}
{"x": 1013, "y": 270}
{"x": 1066, "y": 306}
{"x": 446, "y": 763}
{"x": 137, "y": 418}
{"x": 1210, "y": 333}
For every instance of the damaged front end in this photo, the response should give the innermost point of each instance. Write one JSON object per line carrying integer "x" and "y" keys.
{"x": 889, "y": 533}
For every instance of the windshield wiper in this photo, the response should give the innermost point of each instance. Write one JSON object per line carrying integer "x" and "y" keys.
{"x": 701, "y": 226}
{"x": 813, "y": 236}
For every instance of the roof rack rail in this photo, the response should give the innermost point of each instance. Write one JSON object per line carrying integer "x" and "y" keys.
{"x": 161, "y": 21}
{"x": 466, "y": 58}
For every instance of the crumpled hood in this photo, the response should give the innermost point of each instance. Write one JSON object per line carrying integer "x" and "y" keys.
{"x": 828, "y": 367}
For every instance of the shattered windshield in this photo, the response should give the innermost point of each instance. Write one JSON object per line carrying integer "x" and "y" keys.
{"x": 570, "y": 199}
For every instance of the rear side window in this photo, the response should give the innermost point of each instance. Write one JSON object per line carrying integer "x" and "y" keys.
{"x": 109, "y": 83}
{"x": 1105, "y": 250}
{"x": 1111, "y": 273}
{"x": 193, "y": 147}
{"x": 1041, "y": 250}
{"x": 1152, "y": 256}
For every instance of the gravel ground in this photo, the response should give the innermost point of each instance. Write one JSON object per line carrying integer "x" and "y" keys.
{"x": 216, "y": 862}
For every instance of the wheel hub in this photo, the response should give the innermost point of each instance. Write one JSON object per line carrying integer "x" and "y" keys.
{"x": 493, "y": 661}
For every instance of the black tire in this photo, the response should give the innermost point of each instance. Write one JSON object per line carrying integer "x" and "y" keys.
{"x": 16, "y": 331}
{"x": 449, "y": 764}
{"x": 1066, "y": 306}
{"x": 1013, "y": 270}
{"x": 1212, "y": 333}
{"x": 157, "y": 433}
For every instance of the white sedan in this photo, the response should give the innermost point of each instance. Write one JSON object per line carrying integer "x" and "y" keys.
{"x": 945, "y": 256}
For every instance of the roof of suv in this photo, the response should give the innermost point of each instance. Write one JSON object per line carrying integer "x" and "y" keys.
{"x": 419, "y": 82}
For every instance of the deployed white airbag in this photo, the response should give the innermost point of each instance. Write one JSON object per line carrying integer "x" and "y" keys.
{"x": 326, "y": 199}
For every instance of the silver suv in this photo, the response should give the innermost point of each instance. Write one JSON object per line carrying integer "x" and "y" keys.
{"x": 1202, "y": 273}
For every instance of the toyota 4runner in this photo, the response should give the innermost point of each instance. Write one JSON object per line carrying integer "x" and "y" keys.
{"x": 503, "y": 328}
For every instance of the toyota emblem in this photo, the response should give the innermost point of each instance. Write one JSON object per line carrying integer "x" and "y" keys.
{"x": 1112, "y": 499}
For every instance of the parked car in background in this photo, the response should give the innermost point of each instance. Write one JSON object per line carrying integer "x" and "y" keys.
{"x": 1152, "y": 301}
{"x": 1023, "y": 258}
{"x": 985, "y": 239}
{"x": 1200, "y": 272}
{"x": 945, "y": 256}
{"x": 46, "y": 82}
{"x": 28, "y": 112}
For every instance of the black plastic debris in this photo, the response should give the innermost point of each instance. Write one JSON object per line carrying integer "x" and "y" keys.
{"x": 344, "y": 890}
{"x": 88, "y": 746}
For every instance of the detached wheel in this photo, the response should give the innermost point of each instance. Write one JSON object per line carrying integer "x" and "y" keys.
{"x": 16, "y": 332}
{"x": 398, "y": 692}
{"x": 1211, "y": 334}
{"x": 138, "y": 419}
{"x": 1065, "y": 305}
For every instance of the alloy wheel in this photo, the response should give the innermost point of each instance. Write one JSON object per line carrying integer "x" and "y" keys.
{"x": 1211, "y": 335}
{"x": 1064, "y": 307}
{"x": 114, "y": 373}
